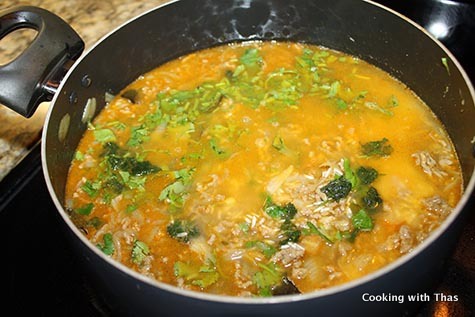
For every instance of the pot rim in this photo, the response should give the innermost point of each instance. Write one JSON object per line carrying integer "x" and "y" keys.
{"x": 434, "y": 235}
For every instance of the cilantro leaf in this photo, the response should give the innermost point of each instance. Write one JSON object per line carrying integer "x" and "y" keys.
{"x": 290, "y": 232}
{"x": 379, "y": 148}
{"x": 132, "y": 165}
{"x": 108, "y": 245}
{"x": 445, "y": 62}
{"x": 251, "y": 57}
{"x": 349, "y": 173}
{"x": 216, "y": 148}
{"x": 367, "y": 175}
{"x": 104, "y": 135}
{"x": 196, "y": 274}
{"x": 91, "y": 188}
{"x": 267, "y": 278}
{"x": 284, "y": 212}
{"x": 85, "y": 210}
{"x": 362, "y": 221}
{"x": 312, "y": 229}
{"x": 95, "y": 222}
{"x": 176, "y": 192}
{"x": 79, "y": 156}
{"x": 183, "y": 230}
{"x": 372, "y": 200}
{"x": 266, "y": 249}
{"x": 393, "y": 102}
{"x": 139, "y": 251}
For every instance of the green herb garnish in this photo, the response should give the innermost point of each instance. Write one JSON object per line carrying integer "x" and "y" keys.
{"x": 183, "y": 230}
{"x": 139, "y": 251}
{"x": 362, "y": 221}
{"x": 267, "y": 278}
{"x": 290, "y": 232}
{"x": 108, "y": 245}
{"x": 445, "y": 62}
{"x": 78, "y": 156}
{"x": 367, "y": 175}
{"x": 85, "y": 210}
{"x": 283, "y": 212}
{"x": 372, "y": 200}
{"x": 196, "y": 274}
{"x": 104, "y": 135}
{"x": 379, "y": 148}
{"x": 91, "y": 188}
{"x": 176, "y": 192}
{"x": 266, "y": 249}
{"x": 312, "y": 229}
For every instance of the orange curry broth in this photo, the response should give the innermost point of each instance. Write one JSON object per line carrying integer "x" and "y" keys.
{"x": 227, "y": 193}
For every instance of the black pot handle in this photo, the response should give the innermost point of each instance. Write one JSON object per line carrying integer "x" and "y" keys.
{"x": 32, "y": 77}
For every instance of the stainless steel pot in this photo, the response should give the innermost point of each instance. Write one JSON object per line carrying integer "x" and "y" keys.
{"x": 361, "y": 28}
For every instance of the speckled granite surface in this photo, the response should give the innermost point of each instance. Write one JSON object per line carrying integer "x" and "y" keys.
{"x": 91, "y": 19}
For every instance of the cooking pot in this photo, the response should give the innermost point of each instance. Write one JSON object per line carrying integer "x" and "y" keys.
{"x": 46, "y": 70}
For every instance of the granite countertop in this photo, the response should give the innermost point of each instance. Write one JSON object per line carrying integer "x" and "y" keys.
{"x": 91, "y": 19}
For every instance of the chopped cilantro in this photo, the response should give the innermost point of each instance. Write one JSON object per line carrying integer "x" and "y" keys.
{"x": 91, "y": 188}
{"x": 132, "y": 165}
{"x": 196, "y": 274}
{"x": 375, "y": 106}
{"x": 284, "y": 212}
{"x": 176, "y": 192}
{"x": 367, "y": 175}
{"x": 266, "y": 249}
{"x": 362, "y": 221}
{"x": 183, "y": 230}
{"x": 113, "y": 184}
{"x": 349, "y": 175}
{"x": 445, "y": 62}
{"x": 104, "y": 135}
{"x": 341, "y": 104}
{"x": 139, "y": 251}
{"x": 216, "y": 148}
{"x": 372, "y": 200}
{"x": 337, "y": 189}
{"x": 393, "y": 102}
{"x": 267, "y": 278}
{"x": 290, "y": 232}
{"x": 78, "y": 156}
{"x": 312, "y": 229}
{"x": 95, "y": 222}
{"x": 278, "y": 143}
{"x": 334, "y": 89}
{"x": 85, "y": 210}
{"x": 244, "y": 227}
{"x": 251, "y": 57}
{"x": 131, "y": 208}
{"x": 379, "y": 148}
{"x": 108, "y": 245}
{"x": 138, "y": 135}
{"x": 110, "y": 148}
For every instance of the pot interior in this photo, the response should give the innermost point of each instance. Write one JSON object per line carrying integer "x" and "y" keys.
{"x": 359, "y": 28}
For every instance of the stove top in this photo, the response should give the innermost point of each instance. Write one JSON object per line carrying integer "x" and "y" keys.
{"x": 41, "y": 271}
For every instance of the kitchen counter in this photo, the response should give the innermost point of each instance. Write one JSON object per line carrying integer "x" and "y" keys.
{"x": 91, "y": 19}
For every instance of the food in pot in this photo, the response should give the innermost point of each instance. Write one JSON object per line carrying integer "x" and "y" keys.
{"x": 262, "y": 169}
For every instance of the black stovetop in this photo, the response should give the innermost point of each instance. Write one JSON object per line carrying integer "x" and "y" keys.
{"x": 41, "y": 271}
